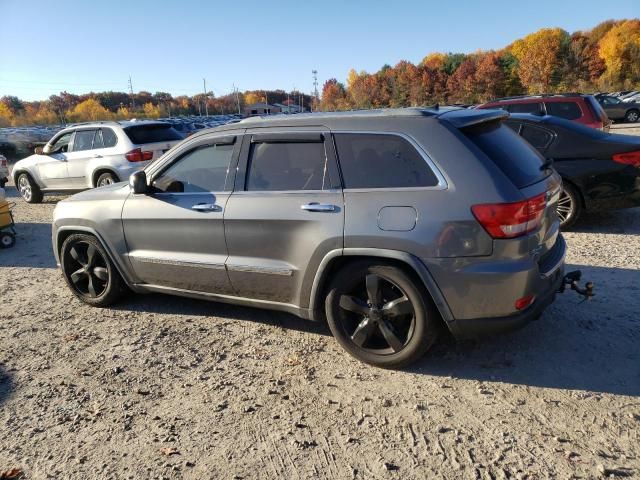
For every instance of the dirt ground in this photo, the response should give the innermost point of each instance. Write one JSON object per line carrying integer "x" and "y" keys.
{"x": 164, "y": 387}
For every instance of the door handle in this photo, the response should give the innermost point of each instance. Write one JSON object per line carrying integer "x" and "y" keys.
{"x": 97, "y": 156}
{"x": 206, "y": 207}
{"x": 318, "y": 207}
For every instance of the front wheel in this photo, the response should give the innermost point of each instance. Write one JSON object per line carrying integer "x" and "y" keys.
{"x": 379, "y": 315}
{"x": 90, "y": 274}
{"x": 28, "y": 189}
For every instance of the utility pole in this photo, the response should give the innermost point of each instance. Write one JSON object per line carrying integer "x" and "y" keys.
{"x": 206, "y": 107}
{"x": 235, "y": 91}
{"x": 133, "y": 103}
{"x": 315, "y": 86}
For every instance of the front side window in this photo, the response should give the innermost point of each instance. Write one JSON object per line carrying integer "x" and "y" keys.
{"x": 568, "y": 110}
{"x": 381, "y": 161}
{"x": 61, "y": 145}
{"x": 533, "y": 107}
{"x": 83, "y": 140}
{"x": 203, "y": 169}
{"x": 287, "y": 166}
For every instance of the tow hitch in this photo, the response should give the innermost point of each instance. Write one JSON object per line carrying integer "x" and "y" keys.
{"x": 572, "y": 279}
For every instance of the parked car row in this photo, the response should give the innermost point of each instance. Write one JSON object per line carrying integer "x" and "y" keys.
{"x": 627, "y": 110}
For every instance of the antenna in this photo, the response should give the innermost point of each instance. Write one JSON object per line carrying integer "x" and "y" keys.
{"x": 133, "y": 103}
{"x": 315, "y": 85}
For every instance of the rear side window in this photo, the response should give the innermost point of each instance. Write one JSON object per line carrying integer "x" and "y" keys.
{"x": 537, "y": 137}
{"x": 568, "y": 110}
{"x": 381, "y": 161}
{"x": 518, "y": 160}
{"x": 203, "y": 169}
{"x": 140, "y": 134}
{"x": 287, "y": 166}
{"x": 83, "y": 140}
{"x": 533, "y": 107}
{"x": 108, "y": 137}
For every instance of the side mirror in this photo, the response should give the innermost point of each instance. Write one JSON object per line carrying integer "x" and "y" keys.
{"x": 138, "y": 182}
{"x": 38, "y": 150}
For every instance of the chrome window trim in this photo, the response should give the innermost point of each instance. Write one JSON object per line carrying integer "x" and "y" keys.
{"x": 442, "y": 182}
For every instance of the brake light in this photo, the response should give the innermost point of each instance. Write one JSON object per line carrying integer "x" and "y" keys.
{"x": 629, "y": 158}
{"x": 137, "y": 155}
{"x": 510, "y": 220}
{"x": 3, "y": 162}
{"x": 524, "y": 302}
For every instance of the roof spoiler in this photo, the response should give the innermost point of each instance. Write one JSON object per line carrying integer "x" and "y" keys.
{"x": 467, "y": 118}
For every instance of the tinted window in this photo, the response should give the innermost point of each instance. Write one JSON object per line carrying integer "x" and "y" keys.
{"x": 519, "y": 161}
{"x": 287, "y": 166}
{"x": 109, "y": 137}
{"x": 533, "y": 107}
{"x": 61, "y": 144}
{"x": 83, "y": 140}
{"x": 537, "y": 137}
{"x": 203, "y": 169}
{"x": 381, "y": 161}
{"x": 568, "y": 110}
{"x": 139, "y": 134}
{"x": 98, "y": 142}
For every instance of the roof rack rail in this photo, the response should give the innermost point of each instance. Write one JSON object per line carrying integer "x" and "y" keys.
{"x": 106, "y": 122}
{"x": 539, "y": 95}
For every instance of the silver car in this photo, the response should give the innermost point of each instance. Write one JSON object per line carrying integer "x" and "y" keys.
{"x": 91, "y": 155}
{"x": 390, "y": 224}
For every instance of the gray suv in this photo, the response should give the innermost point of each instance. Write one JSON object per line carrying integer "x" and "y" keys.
{"x": 388, "y": 223}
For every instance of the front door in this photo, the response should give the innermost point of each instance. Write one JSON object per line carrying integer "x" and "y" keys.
{"x": 175, "y": 234}
{"x": 285, "y": 214}
{"x": 52, "y": 167}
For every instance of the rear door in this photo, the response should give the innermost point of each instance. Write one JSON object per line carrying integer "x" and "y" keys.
{"x": 285, "y": 215}
{"x": 175, "y": 234}
{"x": 78, "y": 158}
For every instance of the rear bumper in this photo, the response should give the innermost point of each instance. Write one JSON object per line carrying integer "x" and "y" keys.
{"x": 475, "y": 327}
{"x": 485, "y": 303}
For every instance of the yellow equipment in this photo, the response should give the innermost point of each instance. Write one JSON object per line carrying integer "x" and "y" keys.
{"x": 7, "y": 230}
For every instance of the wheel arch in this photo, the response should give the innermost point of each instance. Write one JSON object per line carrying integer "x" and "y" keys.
{"x": 99, "y": 171}
{"x": 409, "y": 263}
{"x": 65, "y": 232}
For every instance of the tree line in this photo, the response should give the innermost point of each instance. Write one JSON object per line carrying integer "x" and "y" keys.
{"x": 67, "y": 107}
{"x": 605, "y": 58}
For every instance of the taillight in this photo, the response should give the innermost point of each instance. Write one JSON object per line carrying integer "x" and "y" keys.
{"x": 510, "y": 220}
{"x": 629, "y": 158}
{"x": 524, "y": 302}
{"x": 3, "y": 162}
{"x": 137, "y": 155}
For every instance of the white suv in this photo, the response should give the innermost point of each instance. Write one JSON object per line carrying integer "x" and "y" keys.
{"x": 92, "y": 155}
{"x": 4, "y": 171}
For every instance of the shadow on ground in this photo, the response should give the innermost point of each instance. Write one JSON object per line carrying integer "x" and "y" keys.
{"x": 6, "y": 385}
{"x": 615, "y": 221}
{"x": 172, "y": 305}
{"x": 32, "y": 248}
{"x": 591, "y": 346}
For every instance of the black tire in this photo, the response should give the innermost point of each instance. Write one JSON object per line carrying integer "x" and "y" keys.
{"x": 106, "y": 179}
{"x": 3, "y": 182}
{"x": 370, "y": 334}
{"x": 632, "y": 116}
{"x": 7, "y": 240}
{"x": 89, "y": 272}
{"x": 28, "y": 189}
{"x": 569, "y": 206}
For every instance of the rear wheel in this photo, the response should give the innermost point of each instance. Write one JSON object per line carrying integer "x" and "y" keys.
{"x": 569, "y": 206}
{"x": 380, "y": 316}
{"x": 89, "y": 272}
{"x": 632, "y": 116}
{"x": 106, "y": 179}
{"x": 28, "y": 189}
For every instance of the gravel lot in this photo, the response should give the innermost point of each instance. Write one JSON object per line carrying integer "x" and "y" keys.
{"x": 164, "y": 387}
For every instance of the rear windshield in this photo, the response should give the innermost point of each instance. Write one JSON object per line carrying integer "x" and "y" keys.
{"x": 518, "y": 160}
{"x": 153, "y": 133}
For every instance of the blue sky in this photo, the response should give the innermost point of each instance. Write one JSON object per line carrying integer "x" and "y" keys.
{"x": 80, "y": 46}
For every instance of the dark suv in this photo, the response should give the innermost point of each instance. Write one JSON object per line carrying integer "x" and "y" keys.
{"x": 390, "y": 223}
{"x": 618, "y": 110}
{"x": 577, "y": 107}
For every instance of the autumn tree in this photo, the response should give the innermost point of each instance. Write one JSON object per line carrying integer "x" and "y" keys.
{"x": 489, "y": 77}
{"x": 619, "y": 48}
{"x": 333, "y": 96}
{"x": 89, "y": 110}
{"x": 538, "y": 58}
